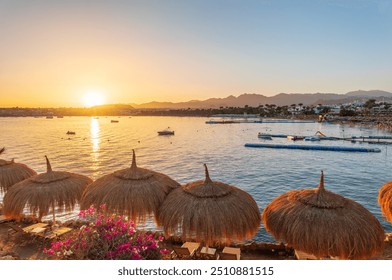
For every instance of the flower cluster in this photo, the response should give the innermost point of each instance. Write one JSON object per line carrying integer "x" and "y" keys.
{"x": 107, "y": 237}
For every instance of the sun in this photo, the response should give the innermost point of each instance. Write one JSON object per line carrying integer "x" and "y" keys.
{"x": 93, "y": 98}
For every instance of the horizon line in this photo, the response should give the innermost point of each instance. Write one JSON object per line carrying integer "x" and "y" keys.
{"x": 192, "y": 100}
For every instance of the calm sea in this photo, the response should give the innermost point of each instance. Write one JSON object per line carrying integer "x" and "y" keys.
{"x": 100, "y": 147}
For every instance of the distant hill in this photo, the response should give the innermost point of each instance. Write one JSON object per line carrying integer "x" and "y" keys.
{"x": 230, "y": 101}
{"x": 281, "y": 99}
{"x": 304, "y": 98}
{"x": 371, "y": 93}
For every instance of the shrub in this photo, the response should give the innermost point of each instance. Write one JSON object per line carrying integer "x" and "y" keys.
{"x": 107, "y": 237}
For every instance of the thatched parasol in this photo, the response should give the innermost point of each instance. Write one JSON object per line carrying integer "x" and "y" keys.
{"x": 44, "y": 191}
{"x": 210, "y": 211}
{"x": 322, "y": 223}
{"x": 134, "y": 192}
{"x": 12, "y": 173}
{"x": 385, "y": 200}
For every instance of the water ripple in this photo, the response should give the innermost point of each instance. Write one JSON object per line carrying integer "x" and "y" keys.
{"x": 100, "y": 147}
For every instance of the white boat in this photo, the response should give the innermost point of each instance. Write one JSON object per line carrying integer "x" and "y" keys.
{"x": 294, "y": 137}
{"x": 312, "y": 138}
{"x": 166, "y": 131}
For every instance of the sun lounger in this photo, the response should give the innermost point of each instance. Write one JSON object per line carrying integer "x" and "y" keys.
{"x": 3, "y": 219}
{"x": 230, "y": 253}
{"x": 33, "y": 226}
{"x": 14, "y": 228}
{"x": 187, "y": 250}
{"x": 57, "y": 232}
{"x": 209, "y": 253}
{"x": 300, "y": 255}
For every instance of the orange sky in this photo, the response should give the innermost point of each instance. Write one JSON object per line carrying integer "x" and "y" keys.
{"x": 55, "y": 53}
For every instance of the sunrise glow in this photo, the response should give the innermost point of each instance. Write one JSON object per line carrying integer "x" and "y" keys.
{"x": 93, "y": 98}
{"x": 144, "y": 51}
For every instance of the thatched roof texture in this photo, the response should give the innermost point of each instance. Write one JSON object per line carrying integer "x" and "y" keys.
{"x": 210, "y": 211}
{"x": 323, "y": 223}
{"x": 385, "y": 201}
{"x": 44, "y": 192}
{"x": 134, "y": 192}
{"x": 12, "y": 173}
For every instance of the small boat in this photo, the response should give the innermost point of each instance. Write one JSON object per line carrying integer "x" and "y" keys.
{"x": 71, "y": 132}
{"x": 166, "y": 131}
{"x": 114, "y": 121}
{"x": 49, "y": 117}
{"x": 295, "y": 138}
{"x": 60, "y": 117}
{"x": 312, "y": 138}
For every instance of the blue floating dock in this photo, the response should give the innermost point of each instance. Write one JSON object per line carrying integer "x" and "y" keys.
{"x": 317, "y": 147}
{"x": 260, "y": 135}
{"x": 380, "y": 137}
{"x": 287, "y": 121}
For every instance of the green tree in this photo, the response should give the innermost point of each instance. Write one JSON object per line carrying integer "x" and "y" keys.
{"x": 370, "y": 103}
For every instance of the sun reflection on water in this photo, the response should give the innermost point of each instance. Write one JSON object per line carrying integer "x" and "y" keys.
{"x": 95, "y": 141}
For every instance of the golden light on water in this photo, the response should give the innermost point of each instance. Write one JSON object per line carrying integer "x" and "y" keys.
{"x": 93, "y": 98}
{"x": 94, "y": 136}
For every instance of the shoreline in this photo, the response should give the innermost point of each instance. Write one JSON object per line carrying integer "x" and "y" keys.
{"x": 380, "y": 121}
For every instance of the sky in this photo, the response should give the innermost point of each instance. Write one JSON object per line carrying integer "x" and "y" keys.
{"x": 79, "y": 53}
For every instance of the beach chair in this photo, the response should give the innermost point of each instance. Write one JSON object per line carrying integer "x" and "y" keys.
{"x": 31, "y": 228}
{"x": 15, "y": 229}
{"x": 3, "y": 219}
{"x": 300, "y": 255}
{"x": 56, "y": 233}
{"x": 187, "y": 250}
{"x": 208, "y": 253}
{"x": 230, "y": 253}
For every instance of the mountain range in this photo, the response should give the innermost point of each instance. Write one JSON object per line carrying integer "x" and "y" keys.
{"x": 281, "y": 99}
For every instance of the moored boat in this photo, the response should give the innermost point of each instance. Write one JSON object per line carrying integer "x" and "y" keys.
{"x": 312, "y": 138}
{"x": 295, "y": 137}
{"x": 166, "y": 131}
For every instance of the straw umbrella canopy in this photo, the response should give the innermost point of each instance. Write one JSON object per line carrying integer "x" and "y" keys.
{"x": 12, "y": 173}
{"x": 385, "y": 201}
{"x": 134, "y": 192}
{"x": 322, "y": 223}
{"x": 210, "y": 211}
{"x": 45, "y": 191}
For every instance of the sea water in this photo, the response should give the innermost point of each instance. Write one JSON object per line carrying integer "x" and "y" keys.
{"x": 100, "y": 147}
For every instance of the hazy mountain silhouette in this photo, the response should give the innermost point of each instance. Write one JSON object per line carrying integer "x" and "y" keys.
{"x": 371, "y": 93}
{"x": 281, "y": 99}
